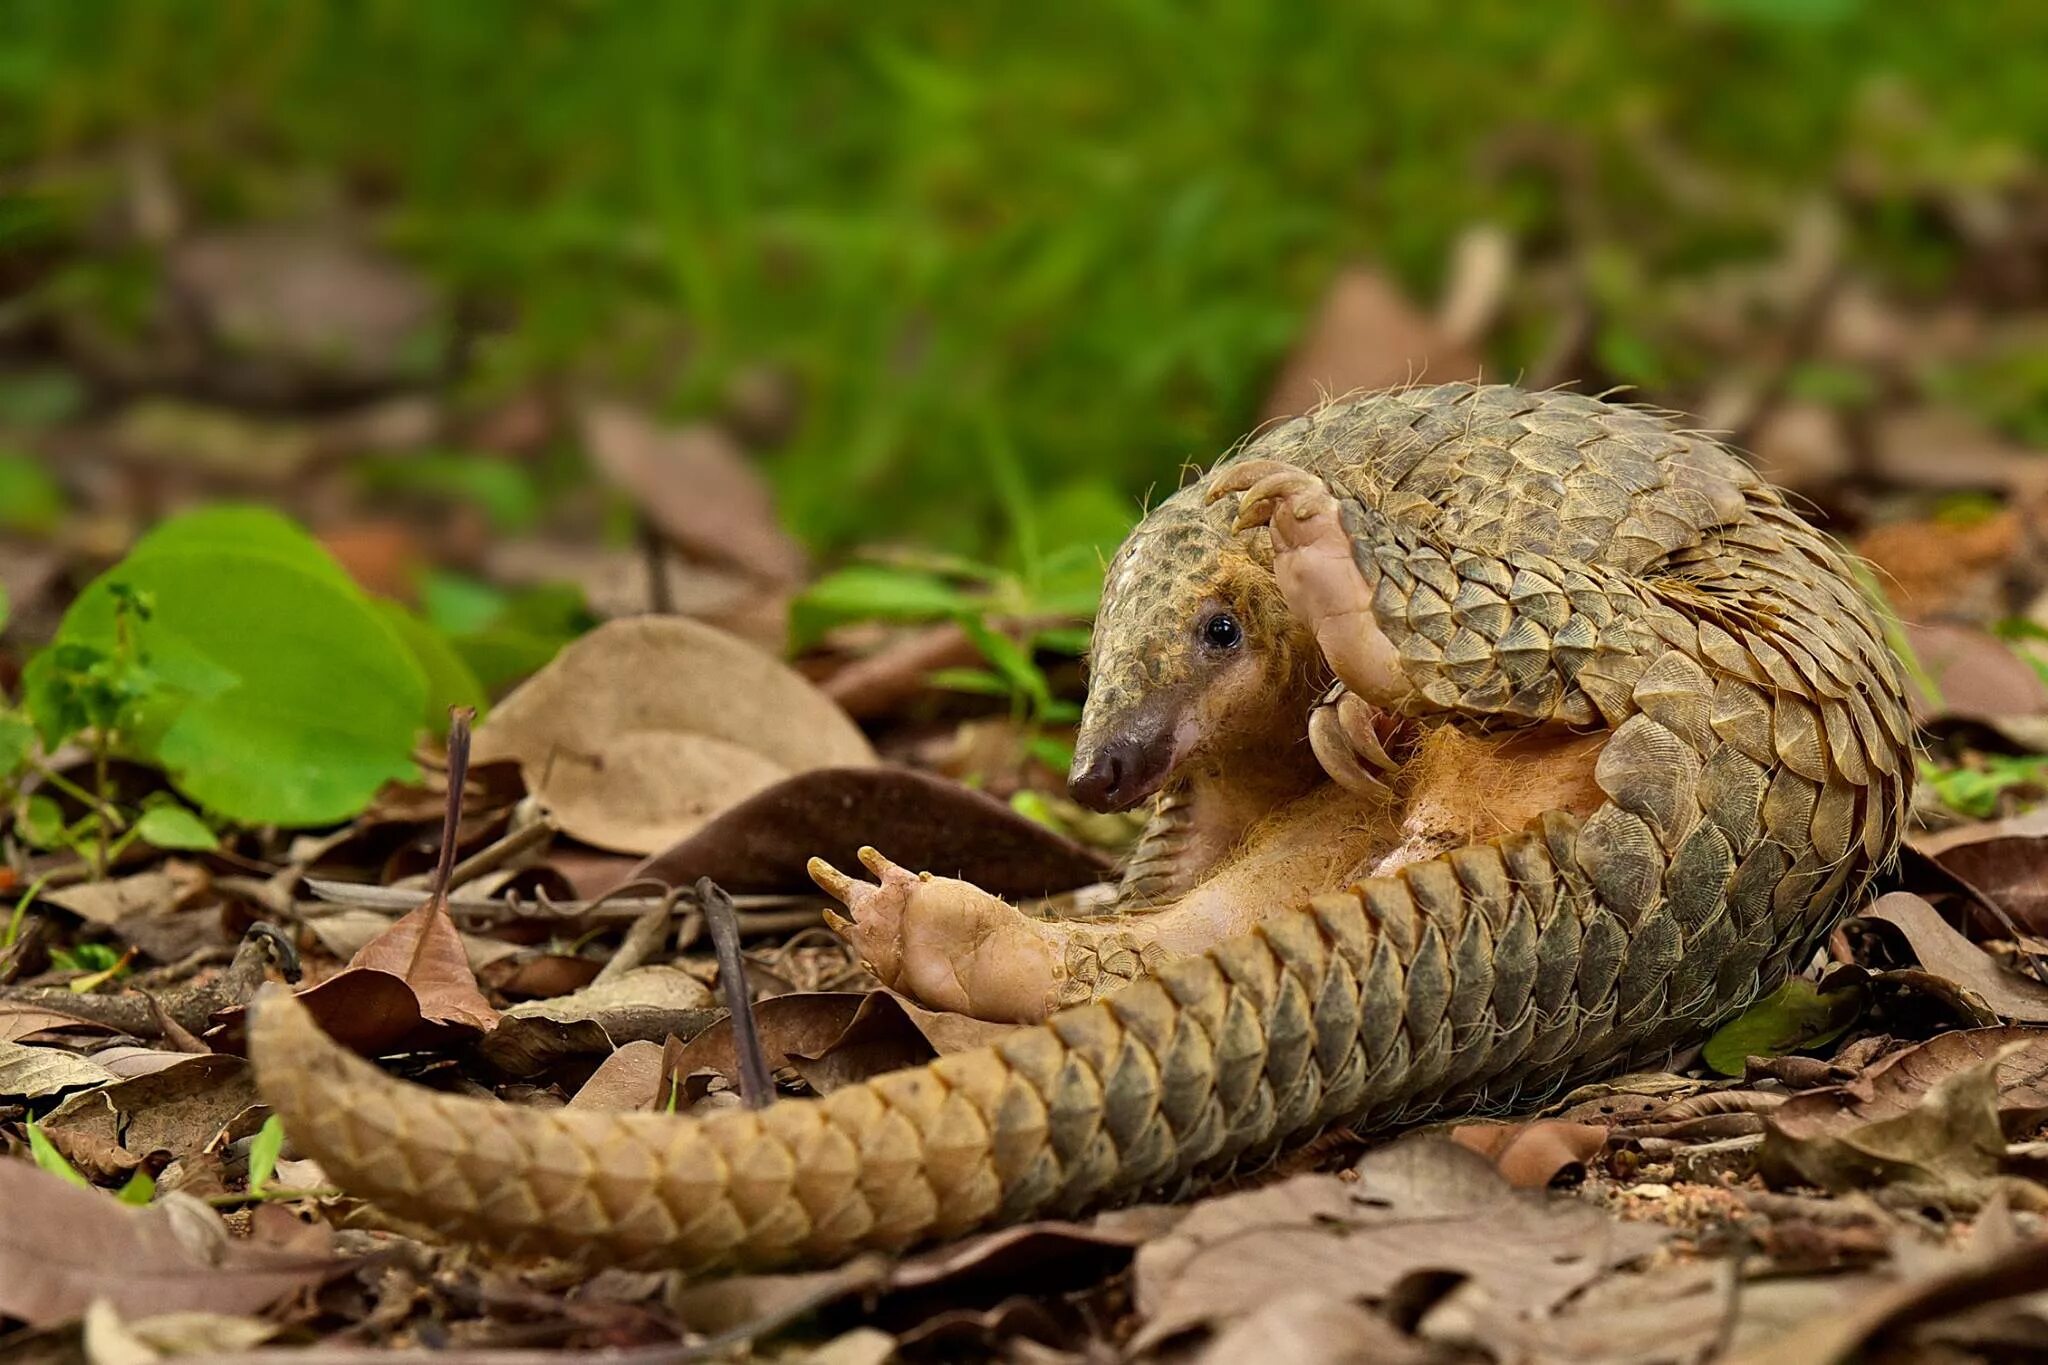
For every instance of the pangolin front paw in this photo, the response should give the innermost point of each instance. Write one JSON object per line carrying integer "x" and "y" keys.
{"x": 947, "y": 944}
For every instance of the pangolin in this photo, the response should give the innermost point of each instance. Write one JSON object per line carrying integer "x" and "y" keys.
{"x": 1481, "y": 559}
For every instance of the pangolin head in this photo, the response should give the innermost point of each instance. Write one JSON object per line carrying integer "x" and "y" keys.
{"x": 1194, "y": 654}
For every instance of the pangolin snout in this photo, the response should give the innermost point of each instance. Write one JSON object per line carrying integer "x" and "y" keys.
{"x": 1122, "y": 771}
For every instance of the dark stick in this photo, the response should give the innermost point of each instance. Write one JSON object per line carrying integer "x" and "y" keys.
{"x": 756, "y": 1087}
{"x": 458, "y": 773}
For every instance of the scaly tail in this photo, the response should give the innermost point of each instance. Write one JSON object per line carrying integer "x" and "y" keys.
{"x": 1484, "y": 971}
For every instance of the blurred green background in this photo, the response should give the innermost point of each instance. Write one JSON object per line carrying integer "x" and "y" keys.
{"x": 1018, "y": 261}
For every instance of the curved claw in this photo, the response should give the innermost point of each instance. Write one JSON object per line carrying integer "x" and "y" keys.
{"x": 1331, "y": 745}
{"x": 833, "y": 882}
{"x": 1359, "y": 720}
{"x": 1242, "y": 475}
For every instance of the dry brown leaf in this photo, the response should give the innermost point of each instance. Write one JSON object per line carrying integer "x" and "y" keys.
{"x": 629, "y": 1079}
{"x": 1531, "y": 1155}
{"x": 199, "y": 1335}
{"x": 1419, "y": 1205}
{"x": 424, "y": 950}
{"x": 2007, "y": 860}
{"x": 1937, "y": 1114}
{"x": 697, "y": 487}
{"x": 1944, "y": 951}
{"x": 1943, "y": 448}
{"x": 763, "y": 843}
{"x": 647, "y": 1003}
{"x": 1312, "y": 1327}
{"x": 644, "y": 729}
{"x": 878, "y": 683}
{"x": 156, "y": 892}
{"x": 294, "y": 312}
{"x": 1366, "y": 335}
{"x": 62, "y": 1247}
{"x": 37, "y": 1073}
{"x": 182, "y": 1109}
{"x": 21, "y": 1020}
{"x": 1977, "y": 674}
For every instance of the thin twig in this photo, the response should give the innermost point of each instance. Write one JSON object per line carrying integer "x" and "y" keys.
{"x": 460, "y": 718}
{"x": 756, "y": 1087}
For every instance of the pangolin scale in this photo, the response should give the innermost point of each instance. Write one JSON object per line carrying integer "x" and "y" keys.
{"x": 1537, "y": 559}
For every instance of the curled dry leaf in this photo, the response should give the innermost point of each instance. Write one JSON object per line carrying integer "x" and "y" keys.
{"x": 156, "y": 892}
{"x": 1945, "y": 952}
{"x": 63, "y": 1246}
{"x": 1529, "y": 1156}
{"x": 643, "y": 730}
{"x": 21, "y": 1020}
{"x": 696, "y": 486}
{"x": 762, "y": 844}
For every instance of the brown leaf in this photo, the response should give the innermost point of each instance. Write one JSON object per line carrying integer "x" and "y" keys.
{"x": 643, "y": 730}
{"x": 1947, "y": 953}
{"x": 20, "y": 1019}
{"x": 1934, "y": 570}
{"x": 62, "y": 1247}
{"x": 629, "y": 1079}
{"x": 182, "y": 1109}
{"x": 37, "y": 1073}
{"x": 1367, "y": 335}
{"x": 2007, "y": 860}
{"x": 1313, "y": 1327}
{"x": 365, "y": 1010}
{"x": 697, "y": 486}
{"x": 1531, "y": 1155}
{"x": 1977, "y": 674}
{"x": 647, "y": 1003}
{"x": 762, "y": 843}
{"x": 1419, "y": 1205}
{"x": 295, "y": 312}
{"x": 1943, "y": 448}
{"x": 157, "y": 892}
{"x": 1936, "y": 1114}
{"x": 620, "y": 582}
{"x": 425, "y": 951}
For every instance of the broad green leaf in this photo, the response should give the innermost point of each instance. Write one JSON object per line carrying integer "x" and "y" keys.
{"x": 263, "y": 1152}
{"x": 872, "y": 592}
{"x": 174, "y": 827}
{"x": 282, "y": 696}
{"x": 1796, "y": 1016}
{"x": 50, "y": 1159}
{"x": 979, "y": 681}
{"x": 503, "y": 636}
{"x": 450, "y": 679}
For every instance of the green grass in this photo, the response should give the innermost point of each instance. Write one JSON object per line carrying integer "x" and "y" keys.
{"x": 1069, "y": 239}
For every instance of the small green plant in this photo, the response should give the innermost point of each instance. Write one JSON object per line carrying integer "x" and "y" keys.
{"x": 231, "y": 652}
{"x": 263, "y": 1153}
{"x": 1977, "y": 788}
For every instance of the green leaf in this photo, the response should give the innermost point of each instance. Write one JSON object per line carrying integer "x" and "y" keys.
{"x": 978, "y": 681}
{"x": 1011, "y": 660}
{"x": 50, "y": 1159}
{"x": 30, "y": 500}
{"x": 503, "y": 636}
{"x": 450, "y": 679}
{"x": 140, "y": 1189}
{"x": 872, "y": 592}
{"x": 263, "y": 1152}
{"x": 278, "y": 693}
{"x": 174, "y": 827}
{"x": 42, "y": 822}
{"x": 17, "y": 742}
{"x": 1072, "y": 640}
{"x": 1796, "y": 1016}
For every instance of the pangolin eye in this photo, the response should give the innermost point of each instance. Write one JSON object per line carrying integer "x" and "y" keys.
{"x": 1223, "y": 631}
